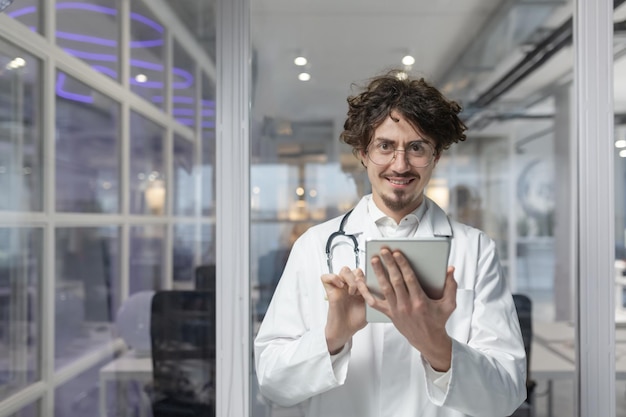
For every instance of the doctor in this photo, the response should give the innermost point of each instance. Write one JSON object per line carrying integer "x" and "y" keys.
{"x": 461, "y": 355}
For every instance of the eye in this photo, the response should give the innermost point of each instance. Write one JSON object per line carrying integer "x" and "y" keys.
{"x": 418, "y": 148}
{"x": 384, "y": 147}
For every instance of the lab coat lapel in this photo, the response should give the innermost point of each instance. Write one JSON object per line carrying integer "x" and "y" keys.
{"x": 434, "y": 222}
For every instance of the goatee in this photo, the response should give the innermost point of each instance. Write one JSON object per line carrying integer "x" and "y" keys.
{"x": 399, "y": 203}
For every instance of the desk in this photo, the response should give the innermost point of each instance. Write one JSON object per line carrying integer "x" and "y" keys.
{"x": 553, "y": 353}
{"x": 127, "y": 367}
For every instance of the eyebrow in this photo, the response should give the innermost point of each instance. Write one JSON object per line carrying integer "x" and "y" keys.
{"x": 382, "y": 139}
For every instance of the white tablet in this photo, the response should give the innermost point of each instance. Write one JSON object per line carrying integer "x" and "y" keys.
{"x": 427, "y": 255}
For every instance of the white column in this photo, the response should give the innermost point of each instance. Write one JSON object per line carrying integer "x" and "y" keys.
{"x": 593, "y": 42}
{"x": 233, "y": 209}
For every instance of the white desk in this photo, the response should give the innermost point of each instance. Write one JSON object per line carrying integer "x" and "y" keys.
{"x": 127, "y": 367}
{"x": 553, "y": 353}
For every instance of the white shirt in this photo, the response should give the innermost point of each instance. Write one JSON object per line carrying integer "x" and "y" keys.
{"x": 379, "y": 374}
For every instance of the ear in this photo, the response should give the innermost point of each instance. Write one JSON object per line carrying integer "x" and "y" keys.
{"x": 362, "y": 156}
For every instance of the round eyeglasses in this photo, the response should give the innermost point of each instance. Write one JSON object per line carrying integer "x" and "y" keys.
{"x": 418, "y": 154}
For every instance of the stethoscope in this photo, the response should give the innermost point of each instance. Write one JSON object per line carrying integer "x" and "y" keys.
{"x": 355, "y": 242}
{"x": 341, "y": 232}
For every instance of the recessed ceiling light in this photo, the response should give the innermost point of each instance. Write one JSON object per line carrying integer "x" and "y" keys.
{"x": 300, "y": 61}
{"x": 622, "y": 153}
{"x": 408, "y": 60}
{"x": 304, "y": 76}
{"x": 621, "y": 143}
{"x": 141, "y": 78}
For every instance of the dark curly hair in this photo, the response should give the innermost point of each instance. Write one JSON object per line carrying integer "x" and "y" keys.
{"x": 422, "y": 104}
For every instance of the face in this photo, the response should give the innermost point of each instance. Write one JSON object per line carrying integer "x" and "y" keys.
{"x": 398, "y": 188}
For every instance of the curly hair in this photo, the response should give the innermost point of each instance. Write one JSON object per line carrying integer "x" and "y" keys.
{"x": 426, "y": 109}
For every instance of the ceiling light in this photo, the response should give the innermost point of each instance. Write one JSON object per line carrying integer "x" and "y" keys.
{"x": 304, "y": 76}
{"x": 141, "y": 78}
{"x": 621, "y": 143}
{"x": 408, "y": 60}
{"x": 622, "y": 153}
{"x": 300, "y": 61}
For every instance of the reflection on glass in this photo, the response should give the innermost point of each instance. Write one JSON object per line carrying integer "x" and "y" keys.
{"x": 27, "y": 12}
{"x": 501, "y": 180}
{"x": 147, "y": 71}
{"x": 148, "y": 186}
{"x": 80, "y": 395}
{"x": 184, "y": 253}
{"x": 208, "y": 245}
{"x": 89, "y": 30}
{"x": 20, "y": 314}
{"x": 147, "y": 250}
{"x": 87, "y": 292}
{"x": 31, "y": 410}
{"x": 87, "y": 148}
{"x": 208, "y": 146}
{"x": 184, "y": 87}
{"x": 21, "y": 147}
{"x": 184, "y": 183}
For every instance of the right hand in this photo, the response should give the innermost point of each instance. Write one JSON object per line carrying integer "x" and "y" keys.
{"x": 346, "y": 307}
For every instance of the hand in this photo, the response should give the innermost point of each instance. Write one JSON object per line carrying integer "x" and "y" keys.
{"x": 346, "y": 307}
{"x": 420, "y": 319}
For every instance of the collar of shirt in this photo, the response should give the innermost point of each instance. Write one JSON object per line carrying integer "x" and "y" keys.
{"x": 388, "y": 226}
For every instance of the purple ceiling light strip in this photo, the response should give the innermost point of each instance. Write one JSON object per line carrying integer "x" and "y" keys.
{"x": 187, "y": 78}
{"x": 69, "y": 95}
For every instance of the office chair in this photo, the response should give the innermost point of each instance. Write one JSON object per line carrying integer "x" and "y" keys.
{"x": 205, "y": 277}
{"x": 523, "y": 305}
{"x": 182, "y": 334}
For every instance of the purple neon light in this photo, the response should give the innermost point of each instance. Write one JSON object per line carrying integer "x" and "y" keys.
{"x": 188, "y": 78}
{"x": 105, "y": 70}
{"x": 190, "y": 112}
{"x": 98, "y": 9}
{"x": 69, "y": 95}
{"x": 22, "y": 12}
{"x": 91, "y": 56}
{"x": 86, "y": 39}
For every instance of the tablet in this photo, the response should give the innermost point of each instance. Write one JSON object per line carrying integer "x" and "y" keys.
{"x": 428, "y": 257}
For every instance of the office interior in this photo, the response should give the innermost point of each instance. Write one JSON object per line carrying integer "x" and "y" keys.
{"x": 121, "y": 177}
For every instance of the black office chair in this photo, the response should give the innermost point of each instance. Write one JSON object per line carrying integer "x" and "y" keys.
{"x": 182, "y": 332}
{"x": 523, "y": 305}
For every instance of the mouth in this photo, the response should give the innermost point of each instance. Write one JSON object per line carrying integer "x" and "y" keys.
{"x": 400, "y": 182}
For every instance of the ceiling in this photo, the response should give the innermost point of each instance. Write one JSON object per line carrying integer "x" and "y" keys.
{"x": 465, "y": 48}
{"x": 457, "y": 45}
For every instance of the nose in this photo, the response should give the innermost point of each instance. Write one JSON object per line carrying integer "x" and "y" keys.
{"x": 399, "y": 162}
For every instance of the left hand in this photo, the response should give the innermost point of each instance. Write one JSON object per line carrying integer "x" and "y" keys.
{"x": 420, "y": 319}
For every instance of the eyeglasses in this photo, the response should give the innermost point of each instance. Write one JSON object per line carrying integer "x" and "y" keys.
{"x": 418, "y": 154}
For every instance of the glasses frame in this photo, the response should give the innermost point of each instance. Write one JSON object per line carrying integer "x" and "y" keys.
{"x": 395, "y": 152}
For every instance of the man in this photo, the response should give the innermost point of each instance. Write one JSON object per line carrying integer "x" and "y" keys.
{"x": 459, "y": 355}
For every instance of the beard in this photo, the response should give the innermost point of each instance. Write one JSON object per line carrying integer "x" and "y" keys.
{"x": 399, "y": 202}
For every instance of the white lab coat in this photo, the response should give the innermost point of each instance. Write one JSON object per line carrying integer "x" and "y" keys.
{"x": 379, "y": 373}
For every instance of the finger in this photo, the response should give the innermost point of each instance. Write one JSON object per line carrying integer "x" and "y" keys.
{"x": 384, "y": 286}
{"x": 371, "y": 300}
{"x": 411, "y": 282}
{"x": 332, "y": 280}
{"x": 350, "y": 279}
{"x": 395, "y": 276}
{"x": 450, "y": 287}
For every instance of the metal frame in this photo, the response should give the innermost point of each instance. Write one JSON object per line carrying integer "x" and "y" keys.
{"x": 593, "y": 74}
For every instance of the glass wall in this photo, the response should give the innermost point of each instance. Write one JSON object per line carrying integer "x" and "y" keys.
{"x": 502, "y": 179}
{"x": 109, "y": 200}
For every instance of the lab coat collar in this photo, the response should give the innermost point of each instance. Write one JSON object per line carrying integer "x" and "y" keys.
{"x": 434, "y": 222}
